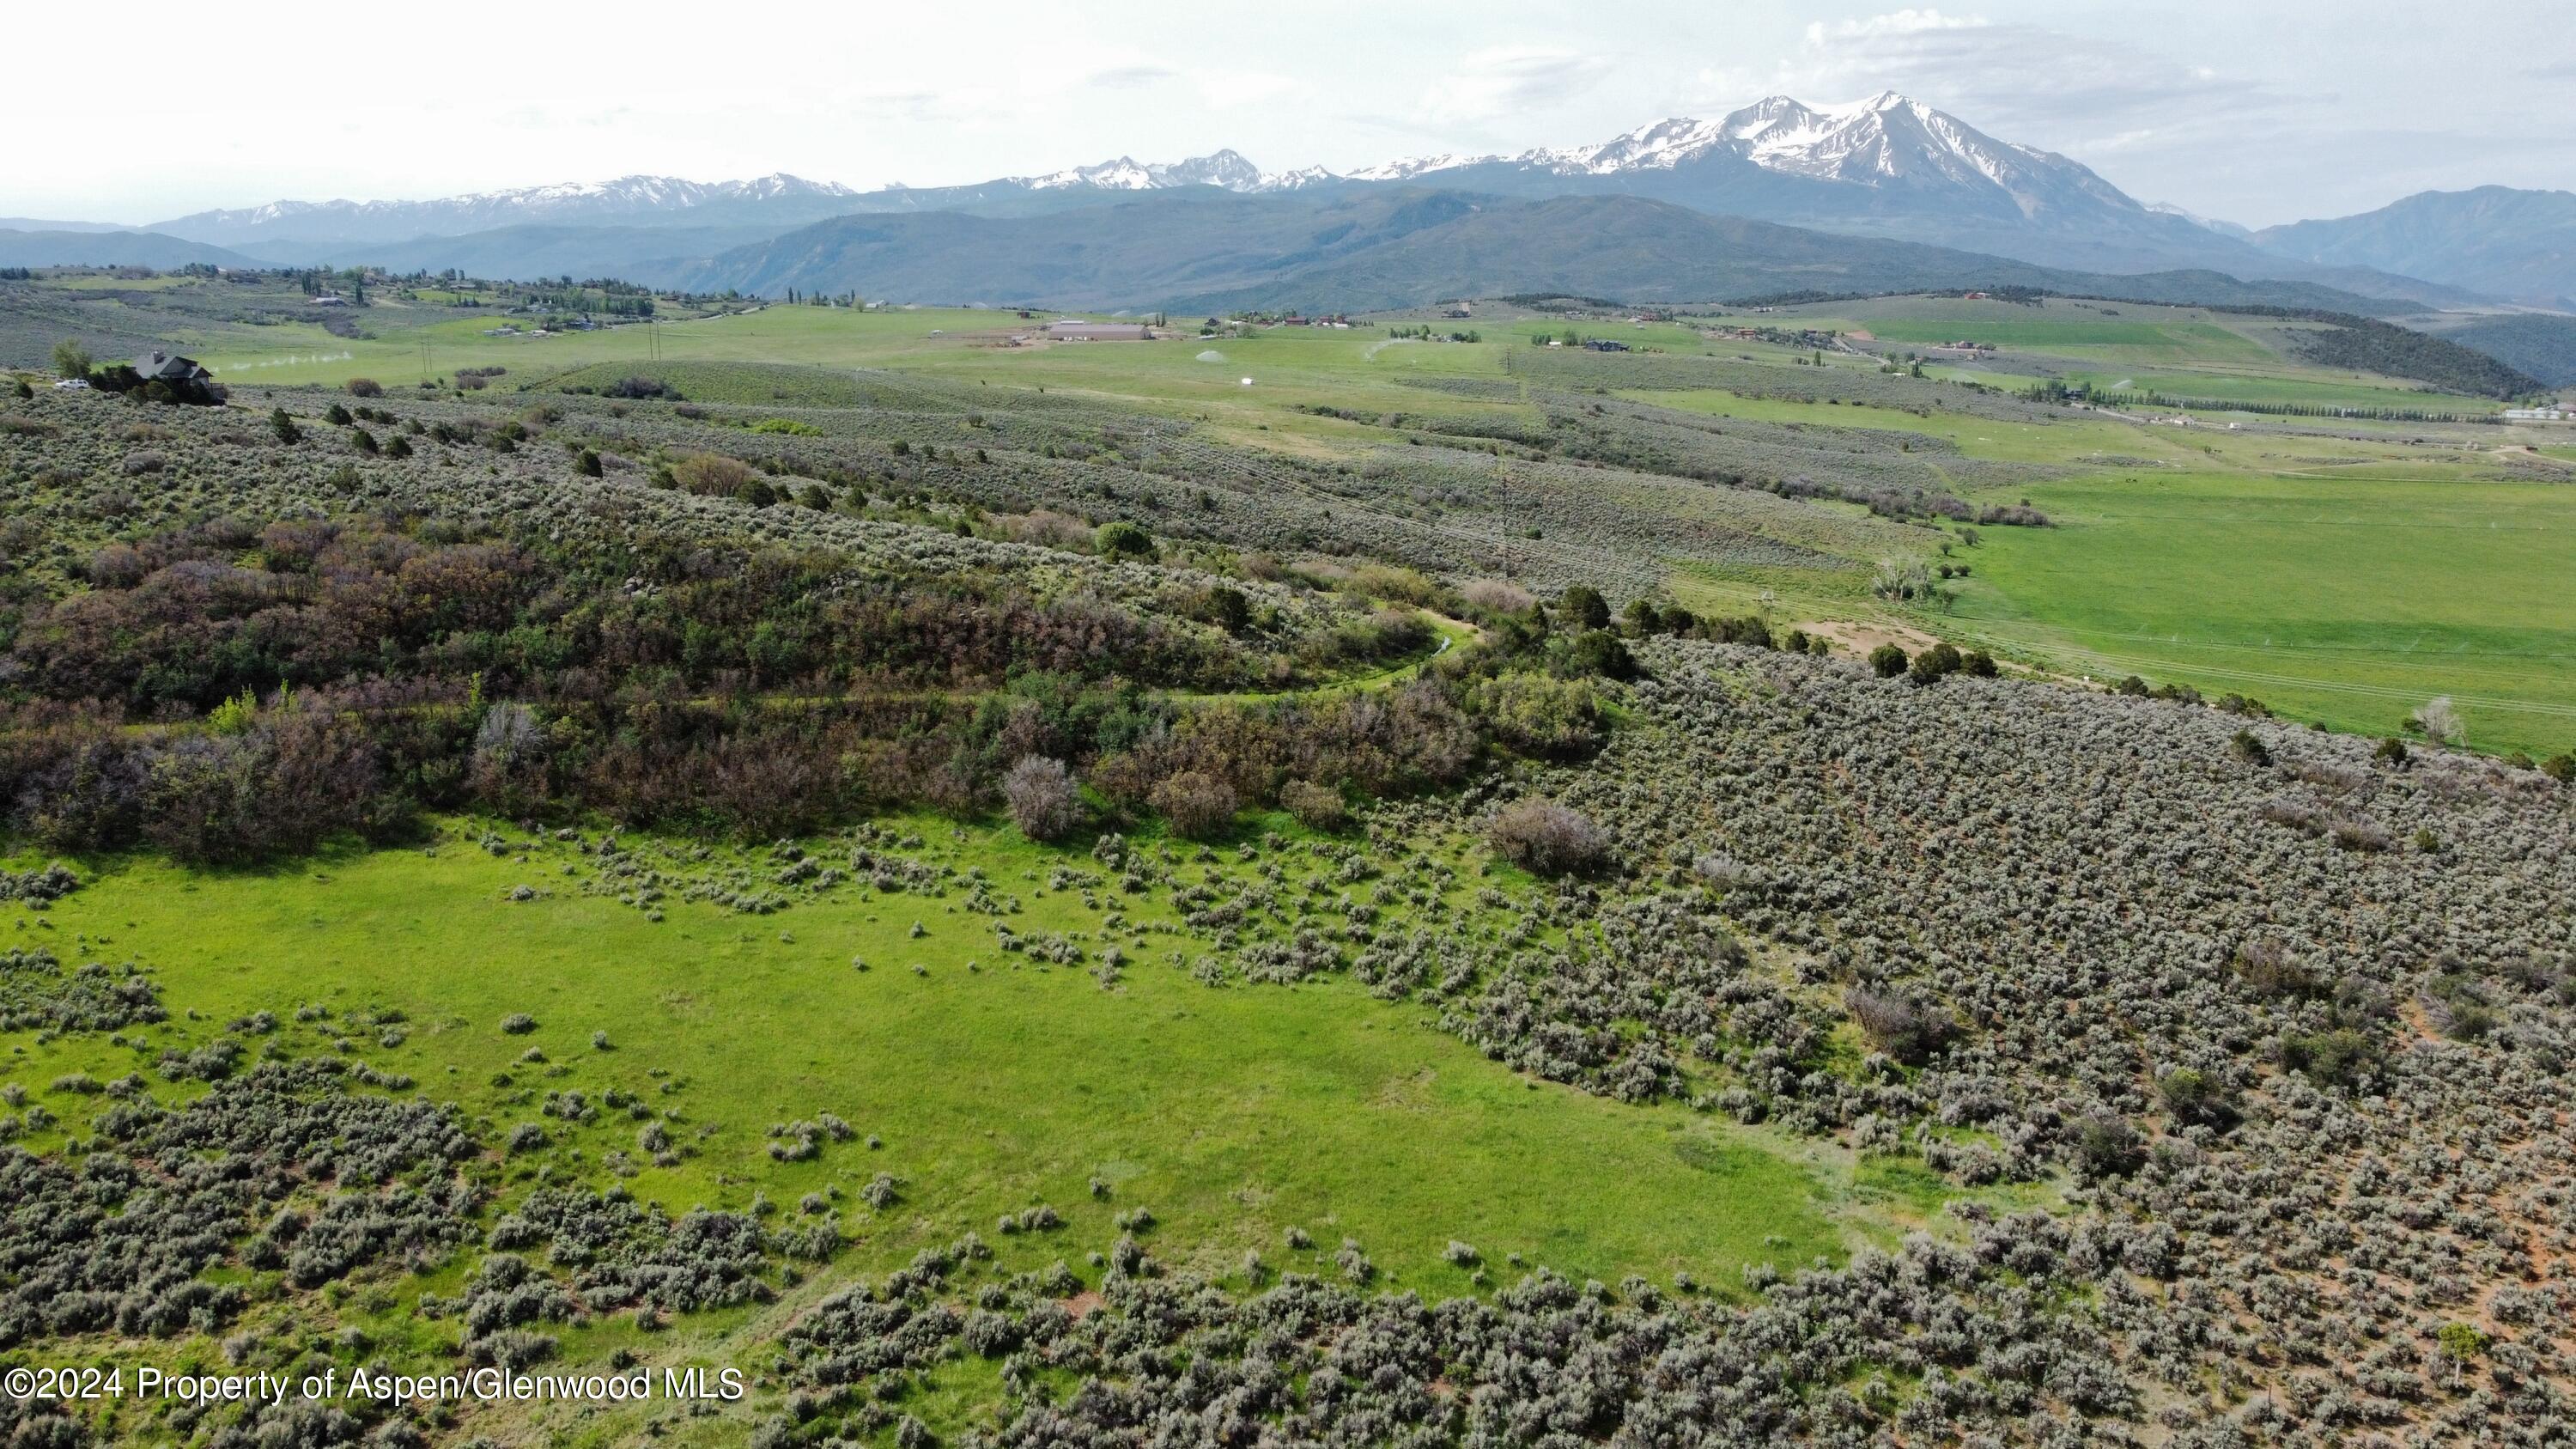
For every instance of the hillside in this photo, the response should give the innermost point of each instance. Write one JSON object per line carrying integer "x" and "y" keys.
{"x": 2451, "y": 363}
{"x": 647, "y": 255}
{"x": 2496, "y": 239}
{"x": 1386, "y": 247}
{"x": 112, "y": 249}
{"x": 2540, "y": 344}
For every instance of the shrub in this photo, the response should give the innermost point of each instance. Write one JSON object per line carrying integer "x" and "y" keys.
{"x": 2107, "y": 1146}
{"x": 2194, "y": 1097}
{"x": 714, "y": 475}
{"x": 1043, "y": 800}
{"x": 2271, "y": 970}
{"x": 1888, "y": 661}
{"x": 279, "y": 789}
{"x": 364, "y": 387}
{"x": 1123, "y": 540}
{"x": 2341, "y": 1058}
{"x": 1198, "y": 806}
{"x": 2439, "y": 721}
{"x": 2249, "y": 747}
{"x": 1536, "y": 715}
{"x": 2560, "y": 767}
{"x": 1582, "y": 607}
{"x": 283, "y": 426}
{"x": 2392, "y": 750}
{"x": 586, "y": 463}
{"x": 1546, "y": 838}
{"x": 1933, "y": 663}
{"x": 1499, "y": 596}
{"x": 1598, "y": 651}
{"x": 1899, "y": 1025}
{"x": 1226, "y": 607}
{"x": 1977, "y": 664}
{"x": 1317, "y": 807}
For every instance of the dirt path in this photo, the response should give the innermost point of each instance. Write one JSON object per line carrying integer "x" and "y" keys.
{"x": 1860, "y": 639}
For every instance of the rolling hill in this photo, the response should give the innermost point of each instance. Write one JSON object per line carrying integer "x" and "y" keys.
{"x": 1388, "y": 247}
{"x": 112, "y": 249}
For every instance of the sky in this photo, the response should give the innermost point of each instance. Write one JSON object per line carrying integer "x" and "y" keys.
{"x": 2254, "y": 111}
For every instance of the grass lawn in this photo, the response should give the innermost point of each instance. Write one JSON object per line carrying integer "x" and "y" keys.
{"x": 2346, "y": 600}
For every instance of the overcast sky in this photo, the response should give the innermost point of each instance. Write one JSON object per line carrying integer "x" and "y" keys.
{"x": 2256, "y": 111}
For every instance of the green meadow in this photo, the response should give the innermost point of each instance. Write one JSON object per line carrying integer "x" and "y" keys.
{"x": 2348, "y": 600}
{"x": 993, "y": 1080}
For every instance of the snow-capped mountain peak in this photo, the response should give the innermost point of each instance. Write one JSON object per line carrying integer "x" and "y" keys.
{"x": 623, "y": 199}
{"x": 1303, "y": 176}
{"x": 2205, "y": 223}
{"x": 1412, "y": 166}
{"x": 1888, "y": 140}
{"x": 1226, "y": 168}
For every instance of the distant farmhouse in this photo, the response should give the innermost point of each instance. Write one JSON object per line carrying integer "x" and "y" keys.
{"x": 1074, "y": 329}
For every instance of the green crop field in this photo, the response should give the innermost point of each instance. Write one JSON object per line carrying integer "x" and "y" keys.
{"x": 2344, "y": 599}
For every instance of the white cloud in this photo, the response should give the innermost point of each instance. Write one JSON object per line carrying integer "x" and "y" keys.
{"x": 1895, "y": 22}
{"x": 1131, "y": 77}
{"x": 1496, "y": 82}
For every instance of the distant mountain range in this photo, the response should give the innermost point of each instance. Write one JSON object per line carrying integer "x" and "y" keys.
{"x": 1200, "y": 249}
{"x": 2494, "y": 239}
{"x": 284, "y": 227}
{"x": 1887, "y": 169}
{"x": 48, "y": 245}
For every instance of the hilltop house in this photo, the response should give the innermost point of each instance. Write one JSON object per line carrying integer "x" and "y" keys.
{"x": 169, "y": 367}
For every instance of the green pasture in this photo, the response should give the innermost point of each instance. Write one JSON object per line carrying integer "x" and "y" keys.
{"x": 2280, "y": 383}
{"x": 2084, "y": 336}
{"x": 2346, "y": 597}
